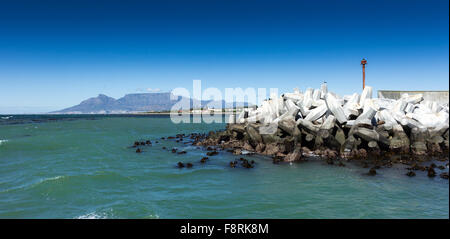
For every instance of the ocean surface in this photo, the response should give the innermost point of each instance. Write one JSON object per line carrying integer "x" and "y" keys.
{"x": 59, "y": 166}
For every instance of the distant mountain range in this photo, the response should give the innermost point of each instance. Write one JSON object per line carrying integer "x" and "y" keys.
{"x": 143, "y": 102}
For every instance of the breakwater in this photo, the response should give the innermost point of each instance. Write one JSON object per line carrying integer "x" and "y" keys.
{"x": 318, "y": 122}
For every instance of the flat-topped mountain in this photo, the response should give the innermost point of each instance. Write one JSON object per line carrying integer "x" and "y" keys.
{"x": 140, "y": 102}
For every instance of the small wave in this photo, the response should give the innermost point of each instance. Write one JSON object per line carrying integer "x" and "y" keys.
{"x": 6, "y": 117}
{"x": 51, "y": 179}
{"x": 42, "y": 181}
{"x": 32, "y": 185}
{"x": 2, "y": 141}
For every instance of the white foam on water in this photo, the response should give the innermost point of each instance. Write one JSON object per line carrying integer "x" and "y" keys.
{"x": 2, "y": 141}
{"x": 244, "y": 152}
{"x": 151, "y": 216}
{"x": 93, "y": 215}
{"x": 51, "y": 179}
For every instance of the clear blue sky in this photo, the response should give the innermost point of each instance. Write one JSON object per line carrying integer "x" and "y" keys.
{"x": 54, "y": 54}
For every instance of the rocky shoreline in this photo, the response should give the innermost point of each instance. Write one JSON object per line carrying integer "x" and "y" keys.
{"x": 215, "y": 142}
{"x": 289, "y": 151}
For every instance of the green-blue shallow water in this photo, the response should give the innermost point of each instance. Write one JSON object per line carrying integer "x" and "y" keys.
{"x": 82, "y": 167}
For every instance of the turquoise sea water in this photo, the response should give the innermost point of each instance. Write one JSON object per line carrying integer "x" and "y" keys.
{"x": 82, "y": 167}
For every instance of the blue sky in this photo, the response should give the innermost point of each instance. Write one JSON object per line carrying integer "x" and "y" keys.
{"x": 54, "y": 54}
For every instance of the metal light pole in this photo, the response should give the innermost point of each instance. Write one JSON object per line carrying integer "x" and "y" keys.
{"x": 363, "y": 63}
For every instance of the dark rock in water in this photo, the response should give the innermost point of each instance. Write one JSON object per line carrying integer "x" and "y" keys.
{"x": 174, "y": 150}
{"x": 170, "y": 137}
{"x": 164, "y": 147}
{"x": 181, "y": 152}
{"x": 411, "y": 174}
{"x": 246, "y": 164}
{"x": 212, "y": 153}
{"x": 431, "y": 172}
{"x": 138, "y": 150}
{"x": 142, "y": 143}
{"x": 136, "y": 143}
{"x": 415, "y": 166}
{"x": 444, "y": 175}
{"x": 372, "y": 172}
{"x": 341, "y": 164}
{"x": 180, "y": 165}
{"x": 209, "y": 148}
{"x": 156, "y": 141}
{"x": 163, "y": 138}
{"x": 203, "y": 160}
{"x": 433, "y": 165}
{"x": 189, "y": 165}
{"x": 148, "y": 142}
{"x": 441, "y": 167}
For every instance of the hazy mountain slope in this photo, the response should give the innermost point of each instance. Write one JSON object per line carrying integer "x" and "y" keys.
{"x": 134, "y": 103}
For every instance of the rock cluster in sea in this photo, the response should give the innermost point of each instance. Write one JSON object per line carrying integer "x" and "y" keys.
{"x": 319, "y": 122}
